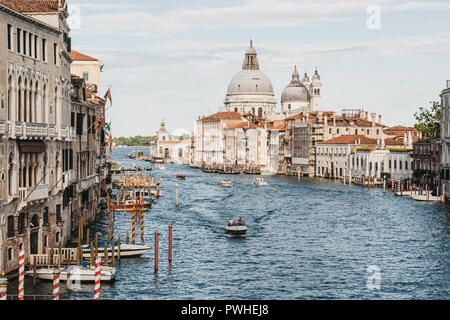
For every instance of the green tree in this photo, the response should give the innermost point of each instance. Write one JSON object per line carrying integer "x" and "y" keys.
{"x": 427, "y": 118}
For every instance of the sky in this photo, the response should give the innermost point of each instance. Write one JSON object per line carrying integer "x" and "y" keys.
{"x": 173, "y": 60}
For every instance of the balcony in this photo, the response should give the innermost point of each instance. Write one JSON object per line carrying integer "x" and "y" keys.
{"x": 2, "y": 127}
{"x": 72, "y": 134}
{"x": 36, "y": 130}
{"x": 87, "y": 183}
{"x": 27, "y": 195}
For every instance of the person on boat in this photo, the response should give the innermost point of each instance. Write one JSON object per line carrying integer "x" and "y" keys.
{"x": 240, "y": 221}
{"x": 230, "y": 222}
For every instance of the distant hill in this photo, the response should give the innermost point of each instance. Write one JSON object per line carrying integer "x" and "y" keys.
{"x": 137, "y": 141}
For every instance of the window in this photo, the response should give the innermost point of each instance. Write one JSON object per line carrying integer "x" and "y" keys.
{"x": 45, "y": 216}
{"x": 58, "y": 213}
{"x": 390, "y": 164}
{"x": 400, "y": 165}
{"x": 30, "y": 43}
{"x": 19, "y": 32}
{"x": 44, "y": 50}
{"x": 10, "y": 253}
{"x": 86, "y": 76}
{"x": 55, "y": 48}
{"x": 10, "y": 230}
{"x": 9, "y": 37}
{"x": 21, "y": 223}
{"x": 24, "y": 51}
{"x": 395, "y": 164}
{"x": 35, "y": 47}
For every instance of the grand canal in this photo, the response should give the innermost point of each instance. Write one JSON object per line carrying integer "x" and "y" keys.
{"x": 308, "y": 239}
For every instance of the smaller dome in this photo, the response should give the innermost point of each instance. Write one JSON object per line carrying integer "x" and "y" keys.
{"x": 294, "y": 94}
{"x": 251, "y": 50}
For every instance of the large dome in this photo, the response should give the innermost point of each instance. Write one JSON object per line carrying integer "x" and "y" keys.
{"x": 250, "y": 82}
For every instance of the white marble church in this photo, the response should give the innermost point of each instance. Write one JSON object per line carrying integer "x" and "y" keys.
{"x": 251, "y": 91}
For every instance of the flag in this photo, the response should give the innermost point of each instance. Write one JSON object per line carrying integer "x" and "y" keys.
{"x": 108, "y": 127}
{"x": 108, "y": 96}
{"x": 100, "y": 118}
{"x": 110, "y": 143}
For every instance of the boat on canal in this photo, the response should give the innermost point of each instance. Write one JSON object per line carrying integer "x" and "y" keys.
{"x": 126, "y": 250}
{"x": 260, "y": 182}
{"x": 236, "y": 229}
{"x": 181, "y": 176}
{"x": 226, "y": 183}
{"x": 406, "y": 193}
{"x": 82, "y": 273}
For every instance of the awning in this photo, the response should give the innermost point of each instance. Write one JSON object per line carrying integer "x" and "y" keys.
{"x": 32, "y": 146}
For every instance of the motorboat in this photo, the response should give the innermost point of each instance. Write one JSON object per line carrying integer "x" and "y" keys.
{"x": 427, "y": 197}
{"x": 81, "y": 273}
{"x": 260, "y": 182}
{"x": 181, "y": 176}
{"x": 226, "y": 183}
{"x": 160, "y": 166}
{"x": 126, "y": 250}
{"x": 236, "y": 229}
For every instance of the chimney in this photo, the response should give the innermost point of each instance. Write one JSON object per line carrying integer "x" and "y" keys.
{"x": 374, "y": 116}
{"x": 367, "y": 115}
{"x": 334, "y": 120}
{"x": 379, "y": 119}
{"x": 448, "y": 84}
{"x": 325, "y": 120}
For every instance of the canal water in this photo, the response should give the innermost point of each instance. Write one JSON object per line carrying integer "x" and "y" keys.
{"x": 308, "y": 239}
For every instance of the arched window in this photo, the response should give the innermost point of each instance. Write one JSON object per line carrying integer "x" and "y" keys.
{"x": 289, "y": 106}
{"x": 260, "y": 112}
{"x": 44, "y": 109}
{"x": 9, "y": 98}
{"x": 19, "y": 100}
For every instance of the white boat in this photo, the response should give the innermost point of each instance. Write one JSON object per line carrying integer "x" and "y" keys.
{"x": 260, "y": 182}
{"x": 405, "y": 193}
{"x": 268, "y": 171}
{"x": 426, "y": 197}
{"x": 80, "y": 273}
{"x": 236, "y": 229}
{"x": 226, "y": 183}
{"x": 126, "y": 250}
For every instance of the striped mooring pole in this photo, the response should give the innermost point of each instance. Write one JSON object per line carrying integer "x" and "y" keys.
{"x": 3, "y": 288}
{"x": 142, "y": 218}
{"x": 21, "y": 274}
{"x": 133, "y": 225}
{"x": 393, "y": 184}
{"x": 156, "y": 250}
{"x": 56, "y": 274}
{"x": 399, "y": 187}
{"x": 98, "y": 264}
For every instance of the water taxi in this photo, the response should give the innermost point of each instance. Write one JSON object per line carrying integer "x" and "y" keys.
{"x": 226, "y": 183}
{"x": 427, "y": 197}
{"x": 236, "y": 228}
{"x": 260, "y": 182}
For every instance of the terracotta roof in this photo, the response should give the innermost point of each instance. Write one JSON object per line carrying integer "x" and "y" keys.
{"x": 223, "y": 116}
{"x": 400, "y": 128}
{"x": 280, "y": 127}
{"x": 350, "y": 139}
{"x": 29, "y": 6}
{"x": 245, "y": 124}
{"x": 77, "y": 56}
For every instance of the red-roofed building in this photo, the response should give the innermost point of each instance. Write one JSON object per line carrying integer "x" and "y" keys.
{"x": 89, "y": 69}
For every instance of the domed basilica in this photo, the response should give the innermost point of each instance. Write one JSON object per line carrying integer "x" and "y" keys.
{"x": 251, "y": 91}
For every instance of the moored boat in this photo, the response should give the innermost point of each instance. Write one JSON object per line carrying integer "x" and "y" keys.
{"x": 236, "y": 229}
{"x": 75, "y": 273}
{"x": 126, "y": 250}
{"x": 427, "y": 197}
{"x": 181, "y": 176}
{"x": 129, "y": 205}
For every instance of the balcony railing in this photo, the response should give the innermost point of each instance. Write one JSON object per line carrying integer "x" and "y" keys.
{"x": 87, "y": 183}
{"x": 2, "y": 127}
{"x": 31, "y": 194}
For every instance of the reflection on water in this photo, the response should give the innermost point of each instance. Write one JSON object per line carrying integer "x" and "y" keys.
{"x": 308, "y": 239}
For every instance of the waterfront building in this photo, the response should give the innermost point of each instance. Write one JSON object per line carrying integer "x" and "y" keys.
{"x": 85, "y": 164}
{"x": 209, "y": 137}
{"x": 34, "y": 125}
{"x": 445, "y": 138}
{"x": 89, "y": 69}
{"x": 246, "y": 144}
{"x": 172, "y": 149}
{"x": 426, "y": 161}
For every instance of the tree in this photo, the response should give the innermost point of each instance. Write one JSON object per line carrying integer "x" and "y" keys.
{"x": 427, "y": 118}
